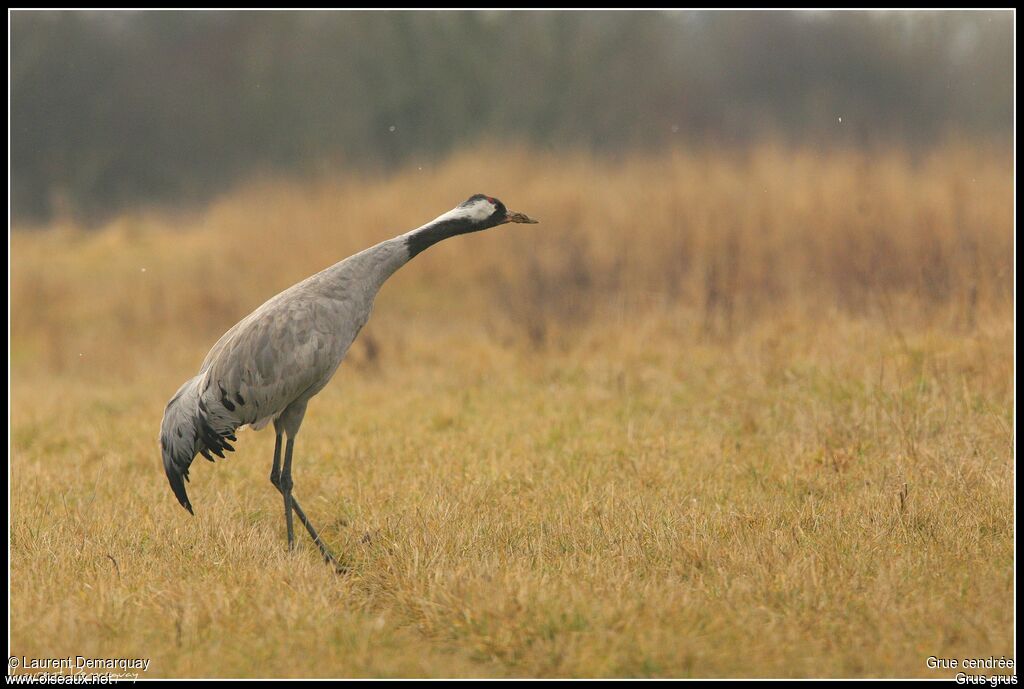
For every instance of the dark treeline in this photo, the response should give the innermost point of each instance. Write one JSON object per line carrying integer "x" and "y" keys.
{"x": 110, "y": 109}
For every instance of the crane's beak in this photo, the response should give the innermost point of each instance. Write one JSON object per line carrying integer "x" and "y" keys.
{"x": 512, "y": 216}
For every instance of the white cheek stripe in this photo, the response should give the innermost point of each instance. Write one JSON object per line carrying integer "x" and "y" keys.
{"x": 480, "y": 210}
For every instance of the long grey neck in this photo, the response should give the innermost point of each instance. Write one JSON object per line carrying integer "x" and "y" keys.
{"x": 439, "y": 229}
{"x": 367, "y": 271}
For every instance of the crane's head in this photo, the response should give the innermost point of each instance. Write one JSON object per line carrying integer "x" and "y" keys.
{"x": 478, "y": 212}
{"x": 488, "y": 211}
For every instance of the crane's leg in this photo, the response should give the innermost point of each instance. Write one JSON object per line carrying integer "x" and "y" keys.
{"x": 276, "y": 478}
{"x": 286, "y": 491}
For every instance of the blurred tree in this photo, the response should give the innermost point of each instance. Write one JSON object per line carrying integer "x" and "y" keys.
{"x": 116, "y": 108}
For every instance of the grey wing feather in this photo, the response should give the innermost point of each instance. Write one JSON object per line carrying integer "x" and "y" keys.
{"x": 179, "y": 438}
{"x": 285, "y": 355}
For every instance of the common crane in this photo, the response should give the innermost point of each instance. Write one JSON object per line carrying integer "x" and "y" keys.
{"x": 268, "y": 366}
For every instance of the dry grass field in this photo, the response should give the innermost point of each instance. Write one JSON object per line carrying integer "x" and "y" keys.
{"x": 723, "y": 413}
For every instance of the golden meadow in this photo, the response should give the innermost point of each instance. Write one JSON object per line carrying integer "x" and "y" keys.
{"x": 724, "y": 412}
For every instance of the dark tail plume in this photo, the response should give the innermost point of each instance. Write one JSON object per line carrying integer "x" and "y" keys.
{"x": 179, "y": 438}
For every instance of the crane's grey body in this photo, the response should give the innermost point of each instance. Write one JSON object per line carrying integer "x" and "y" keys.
{"x": 268, "y": 366}
{"x": 289, "y": 348}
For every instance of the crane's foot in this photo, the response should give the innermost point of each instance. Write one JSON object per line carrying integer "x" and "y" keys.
{"x": 328, "y": 556}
